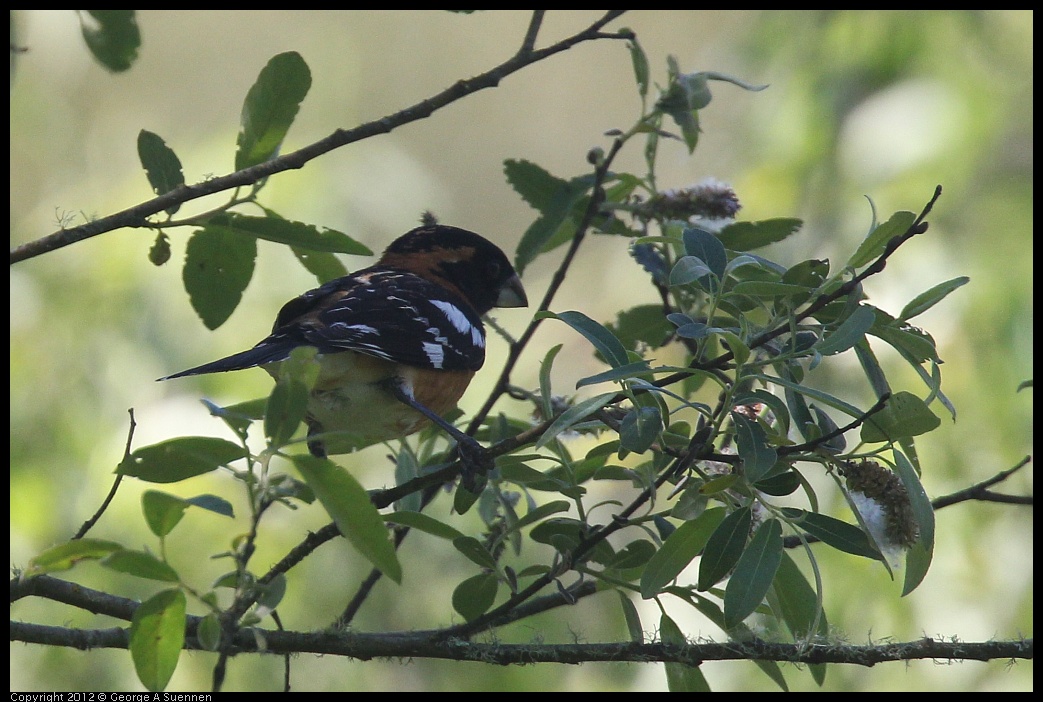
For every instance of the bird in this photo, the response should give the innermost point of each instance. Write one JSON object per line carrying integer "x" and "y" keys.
{"x": 398, "y": 342}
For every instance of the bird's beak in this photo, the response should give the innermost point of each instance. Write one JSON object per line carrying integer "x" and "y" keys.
{"x": 512, "y": 294}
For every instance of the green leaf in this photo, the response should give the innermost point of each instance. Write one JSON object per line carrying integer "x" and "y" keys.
{"x": 243, "y": 413}
{"x": 348, "y": 504}
{"x": 775, "y": 403}
{"x": 838, "y": 443}
{"x": 838, "y": 534}
{"x": 799, "y": 412}
{"x": 689, "y": 269}
{"x": 161, "y": 165}
{"x": 872, "y": 368}
{"x": 535, "y": 185}
{"x": 177, "y": 459}
{"x": 915, "y": 345}
{"x": 850, "y": 332}
{"x": 767, "y": 289}
{"x": 140, "y": 565}
{"x": 573, "y": 415}
{"x": 724, "y": 547}
{"x": 753, "y": 574}
{"x": 464, "y": 499}
{"x": 680, "y": 677}
{"x": 629, "y": 371}
{"x": 746, "y": 236}
{"x": 515, "y": 469}
{"x": 727, "y": 78}
{"x": 475, "y": 551}
{"x": 918, "y": 558}
{"x": 643, "y": 324}
{"x": 603, "y": 340}
{"x": 929, "y": 298}
{"x": 640, "y": 63}
{"x": 287, "y": 406}
{"x": 688, "y": 121}
{"x": 162, "y": 511}
{"x": 555, "y": 199}
{"x": 65, "y": 556}
{"x": 209, "y": 632}
{"x": 706, "y": 247}
{"x": 473, "y": 597}
{"x": 536, "y": 514}
{"x": 546, "y": 391}
{"x": 270, "y": 108}
{"x": 219, "y": 263}
{"x": 632, "y": 618}
{"x": 424, "y": 523}
{"x": 322, "y": 264}
{"x": 679, "y": 549}
{"x": 809, "y": 274}
{"x": 799, "y": 607}
{"x": 905, "y": 415}
{"x": 564, "y": 534}
{"x": 876, "y": 241}
{"x": 271, "y": 595}
{"x": 157, "y": 633}
{"x": 288, "y": 402}
{"x": 212, "y": 503}
{"x": 640, "y": 429}
{"x": 719, "y": 484}
{"x": 752, "y": 445}
{"x": 296, "y": 234}
{"x": 779, "y": 482}
{"x": 798, "y": 604}
{"x": 112, "y": 36}
{"x": 635, "y": 555}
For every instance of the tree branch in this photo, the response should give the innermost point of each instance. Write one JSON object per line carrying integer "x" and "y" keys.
{"x": 981, "y": 491}
{"x": 137, "y": 216}
{"x": 368, "y": 646}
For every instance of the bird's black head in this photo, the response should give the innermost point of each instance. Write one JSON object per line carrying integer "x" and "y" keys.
{"x": 460, "y": 260}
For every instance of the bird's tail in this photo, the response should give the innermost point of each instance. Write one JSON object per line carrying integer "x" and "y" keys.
{"x": 259, "y": 355}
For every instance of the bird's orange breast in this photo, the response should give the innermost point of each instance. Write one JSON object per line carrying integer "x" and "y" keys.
{"x": 352, "y": 403}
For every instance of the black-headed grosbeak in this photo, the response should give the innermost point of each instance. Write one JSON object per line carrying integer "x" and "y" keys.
{"x": 398, "y": 342}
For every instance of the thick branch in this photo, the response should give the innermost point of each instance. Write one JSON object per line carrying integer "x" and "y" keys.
{"x": 369, "y": 646}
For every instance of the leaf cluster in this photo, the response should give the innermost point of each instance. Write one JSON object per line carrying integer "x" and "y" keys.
{"x": 711, "y": 460}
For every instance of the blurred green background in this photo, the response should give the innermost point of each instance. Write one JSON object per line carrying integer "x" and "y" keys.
{"x": 875, "y": 104}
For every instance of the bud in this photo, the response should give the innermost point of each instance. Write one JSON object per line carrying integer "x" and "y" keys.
{"x": 709, "y": 199}
{"x": 883, "y": 504}
{"x": 160, "y": 251}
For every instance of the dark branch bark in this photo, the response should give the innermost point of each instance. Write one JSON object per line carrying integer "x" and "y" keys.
{"x": 369, "y": 646}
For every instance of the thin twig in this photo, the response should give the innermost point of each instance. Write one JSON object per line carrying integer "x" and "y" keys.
{"x": 89, "y": 524}
{"x": 981, "y": 492}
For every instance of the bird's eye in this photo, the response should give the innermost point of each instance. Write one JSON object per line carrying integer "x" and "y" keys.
{"x": 493, "y": 269}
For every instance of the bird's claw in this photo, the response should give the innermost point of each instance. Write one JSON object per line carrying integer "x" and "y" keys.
{"x": 475, "y": 464}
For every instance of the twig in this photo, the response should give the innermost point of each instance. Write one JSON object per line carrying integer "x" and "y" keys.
{"x": 981, "y": 492}
{"x": 89, "y": 524}
{"x": 839, "y": 431}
